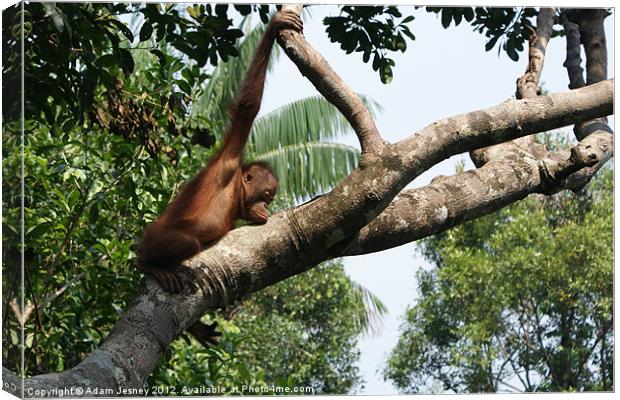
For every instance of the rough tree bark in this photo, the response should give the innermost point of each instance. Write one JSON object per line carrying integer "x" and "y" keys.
{"x": 365, "y": 213}
{"x": 589, "y": 32}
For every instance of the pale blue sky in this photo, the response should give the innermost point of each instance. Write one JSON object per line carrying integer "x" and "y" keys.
{"x": 442, "y": 73}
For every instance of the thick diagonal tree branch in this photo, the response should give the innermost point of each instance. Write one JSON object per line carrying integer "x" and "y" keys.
{"x": 507, "y": 121}
{"x": 253, "y": 257}
{"x": 449, "y": 201}
{"x": 359, "y": 198}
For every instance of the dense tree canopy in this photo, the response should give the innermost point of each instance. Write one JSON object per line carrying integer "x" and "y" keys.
{"x": 518, "y": 300}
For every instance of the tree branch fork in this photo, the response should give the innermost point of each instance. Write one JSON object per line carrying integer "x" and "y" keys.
{"x": 368, "y": 211}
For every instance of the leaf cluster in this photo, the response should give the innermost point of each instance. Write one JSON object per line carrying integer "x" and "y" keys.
{"x": 511, "y": 27}
{"x": 72, "y": 48}
{"x": 373, "y": 31}
{"x": 74, "y": 188}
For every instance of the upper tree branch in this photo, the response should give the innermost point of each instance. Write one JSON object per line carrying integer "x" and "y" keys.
{"x": 449, "y": 201}
{"x": 527, "y": 88}
{"x": 507, "y": 121}
{"x": 573, "y": 52}
{"x": 527, "y": 85}
{"x": 314, "y": 67}
{"x": 587, "y": 28}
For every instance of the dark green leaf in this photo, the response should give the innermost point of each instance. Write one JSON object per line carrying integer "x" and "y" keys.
{"x": 184, "y": 86}
{"x": 518, "y": 44}
{"x": 188, "y": 75}
{"x": 146, "y": 31}
{"x": 106, "y": 60}
{"x": 489, "y": 45}
{"x": 243, "y": 9}
{"x": 123, "y": 28}
{"x": 458, "y": 17}
{"x": 446, "y": 17}
{"x": 160, "y": 55}
{"x": 400, "y": 43}
{"x": 393, "y": 11}
{"x": 386, "y": 73}
{"x": 376, "y": 61}
{"x": 235, "y": 33}
{"x": 184, "y": 47}
{"x": 161, "y": 32}
{"x": 408, "y": 33}
{"x": 93, "y": 213}
{"x": 512, "y": 53}
{"x": 125, "y": 60}
{"x": 221, "y": 10}
{"x": 468, "y": 13}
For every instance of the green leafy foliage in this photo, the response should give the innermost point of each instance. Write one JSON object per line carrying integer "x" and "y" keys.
{"x": 522, "y": 297}
{"x": 296, "y": 140}
{"x": 72, "y": 48}
{"x": 120, "y": 119}
{"x": 512, "y": 27}
{"x": 373, "y": 31}
{"x": 322, "y": 323}
{"x": 74, "y": 187}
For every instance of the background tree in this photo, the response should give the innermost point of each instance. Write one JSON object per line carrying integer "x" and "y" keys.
{"x": 518, "y": 300}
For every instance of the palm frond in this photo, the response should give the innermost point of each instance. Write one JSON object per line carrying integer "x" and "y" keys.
{"x": 308, "y": 169}
{"x": 370, "y": 318}
{"x": 306, "y": 120}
